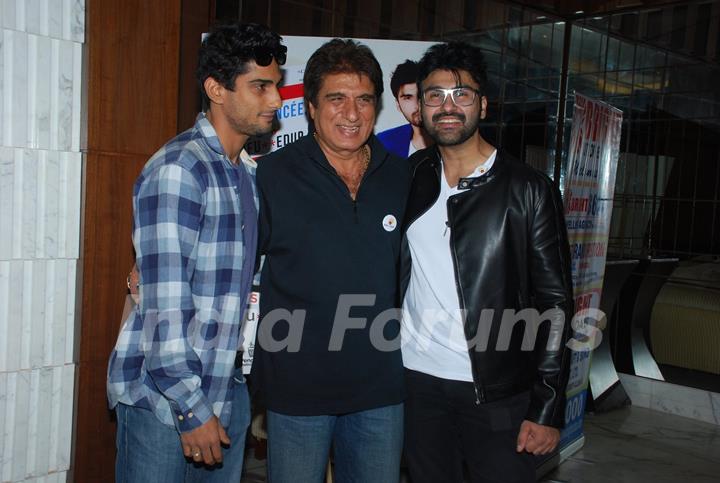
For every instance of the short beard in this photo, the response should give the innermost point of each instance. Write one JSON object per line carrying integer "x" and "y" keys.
{"x": 456, "y": 138}
{"x": 253, "y": 129}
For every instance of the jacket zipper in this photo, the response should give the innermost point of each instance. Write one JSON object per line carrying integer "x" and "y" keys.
{"x": 479, "y": 391}
{"x": 356, "y": 220}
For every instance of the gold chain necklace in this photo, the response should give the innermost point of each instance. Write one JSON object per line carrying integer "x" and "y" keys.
{"x": 366, "y": 152}
{"x": 353, "y": 181}
{"x": 366, "y": 155}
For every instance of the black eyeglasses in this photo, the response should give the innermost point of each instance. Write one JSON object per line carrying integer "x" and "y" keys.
{"x": 461, "y": 96}
{"x": 263, "y": 55}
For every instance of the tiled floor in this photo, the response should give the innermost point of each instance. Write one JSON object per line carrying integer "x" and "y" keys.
{"x": 627, "y": 445}
{"x": 641, "y": 445}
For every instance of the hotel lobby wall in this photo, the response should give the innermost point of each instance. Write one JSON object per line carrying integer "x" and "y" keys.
{"x": 41, "y": 83}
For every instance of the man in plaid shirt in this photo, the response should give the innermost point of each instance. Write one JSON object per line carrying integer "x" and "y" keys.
{"x": 181, "y": 404}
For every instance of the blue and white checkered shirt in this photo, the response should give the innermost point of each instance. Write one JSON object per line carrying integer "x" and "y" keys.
{"x": 195, "y": 237}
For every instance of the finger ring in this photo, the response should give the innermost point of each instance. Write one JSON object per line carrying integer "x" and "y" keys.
{"x": 196, "y": 454}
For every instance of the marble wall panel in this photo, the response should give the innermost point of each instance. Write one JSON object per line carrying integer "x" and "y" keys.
{"x": 28, "y": 205}
{"x": 37, "y": 313}
{"x": 70, "y": 200}
{"x": 7, "y": 13}
{"x": 41, "y": 65}
{"x": 41, "y": 92}
{"x": 40, "y": 196}
{"x": 5, "y": 73}
{"x": 7, "y": 169}
{"x": 58, "y": 19}
{"x": 15, "y": 89}
{"x": 34, "y": 436}
{"x": 5, "y": 414}
{"x": 60, "y": 477}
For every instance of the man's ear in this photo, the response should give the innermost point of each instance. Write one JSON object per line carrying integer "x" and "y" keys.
{"x": 311, "y": 110}
{"x": 483, "y": 107}
{"x": 214, "y": 90}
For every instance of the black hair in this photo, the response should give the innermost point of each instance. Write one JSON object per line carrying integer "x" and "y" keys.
{"x": 226, "y": 51}
{"x": 405, "y": 73}
{"x": 454, "y": 56}
{"x": 340, "y": 56}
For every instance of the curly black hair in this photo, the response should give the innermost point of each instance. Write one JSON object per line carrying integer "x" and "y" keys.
{"x": 340, "y": 56}
{"x": 453, "y": 56}
{"x": 226, "y": 51}
{"x": 405, "y": 73}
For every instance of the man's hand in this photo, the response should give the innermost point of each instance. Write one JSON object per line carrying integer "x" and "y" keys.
{"x": 133, "y": 283}
{"x": 202, "y": 444}
{"x": 536, "y": 438}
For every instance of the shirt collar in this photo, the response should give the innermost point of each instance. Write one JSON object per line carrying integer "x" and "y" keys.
{"x": 485, "y": 167}
{"x": 206, "y": 129}
{"x": 247, "y": 159}
{"x": 202, "y": 124}
{"x": 309, "y": 144}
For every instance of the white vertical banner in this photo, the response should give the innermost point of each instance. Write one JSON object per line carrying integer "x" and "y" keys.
{"x": 588, "y": 198}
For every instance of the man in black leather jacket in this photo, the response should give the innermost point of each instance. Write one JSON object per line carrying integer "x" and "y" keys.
{"x": 487, "y": 292}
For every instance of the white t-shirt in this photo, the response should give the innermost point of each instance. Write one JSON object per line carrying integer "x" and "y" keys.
{"x": 412, "y": 149}
{"x": 432, "y": 334}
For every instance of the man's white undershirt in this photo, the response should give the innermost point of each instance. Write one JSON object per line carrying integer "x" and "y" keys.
{"x": 433, "y": 338}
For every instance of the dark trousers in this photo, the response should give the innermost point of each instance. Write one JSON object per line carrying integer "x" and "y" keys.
{"x": 444, "y": 427}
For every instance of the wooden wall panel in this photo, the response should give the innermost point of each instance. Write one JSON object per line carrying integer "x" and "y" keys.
{"x": 195, "y": 21}
{"x": 133, "y": 74}
{"x": 133, "y": 67}
{"x": 107, "y": 253}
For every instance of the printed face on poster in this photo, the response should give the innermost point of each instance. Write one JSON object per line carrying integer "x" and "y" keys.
{"x": 292, "y": 120}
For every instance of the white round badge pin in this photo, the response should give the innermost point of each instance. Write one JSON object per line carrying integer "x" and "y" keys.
{"x": 389, "y": 223}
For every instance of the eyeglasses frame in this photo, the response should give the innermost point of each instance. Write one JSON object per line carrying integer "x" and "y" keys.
{"x": 449, "y": 92}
